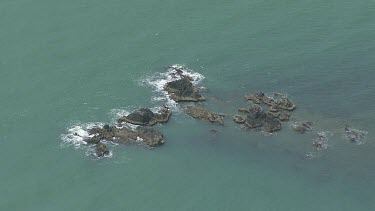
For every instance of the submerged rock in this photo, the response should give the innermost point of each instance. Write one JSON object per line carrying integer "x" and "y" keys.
{"x": 302, "y": 127}
{"x": 354, "y": 135}
{"x": 101, "y": 150}
{"x": 149, "y": 136}
{"x": 320, "y": 142}
{"x": 183, "y": 90}
{"x": 145, "y": 116}
{"x": 202, "y": 113}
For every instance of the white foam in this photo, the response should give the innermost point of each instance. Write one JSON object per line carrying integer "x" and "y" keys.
{"x": 159, "y": 80}
{"x": 76, "y": 134}
{"x": 359, "y": 139}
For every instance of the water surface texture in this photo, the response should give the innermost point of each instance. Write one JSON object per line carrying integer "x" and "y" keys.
{"x": 66, "y": 64}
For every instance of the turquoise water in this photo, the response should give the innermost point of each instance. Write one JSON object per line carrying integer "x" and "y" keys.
{"x": 67, "y": 63}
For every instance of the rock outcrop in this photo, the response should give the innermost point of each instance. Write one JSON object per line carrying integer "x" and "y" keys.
{"x": 149, "y": 136}
{"x": 183, "y": 90}
{"x": 202, "y": 113}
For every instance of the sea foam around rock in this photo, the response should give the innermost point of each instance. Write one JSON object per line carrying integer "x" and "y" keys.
{"x": 174, "y": 72}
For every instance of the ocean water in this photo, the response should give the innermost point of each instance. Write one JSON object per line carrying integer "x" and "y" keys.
{"x": 70, "y": 64}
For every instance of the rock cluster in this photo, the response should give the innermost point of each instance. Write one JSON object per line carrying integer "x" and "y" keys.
{"x": 266, "y": 113}
{"x": 257, "y": 117}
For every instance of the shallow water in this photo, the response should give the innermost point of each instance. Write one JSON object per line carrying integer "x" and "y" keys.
{"x": 69, "y": 63}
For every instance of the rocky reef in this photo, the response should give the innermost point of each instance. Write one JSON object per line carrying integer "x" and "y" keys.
{"x": 146, "y": 117}
{"x": 183, "y": 90}
{"x": 266, "y": 112}
{"x": 269, "y": 121}
{"x": 203, "y": 113}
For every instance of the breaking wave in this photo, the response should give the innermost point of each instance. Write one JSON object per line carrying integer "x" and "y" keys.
{"x": 76, "y": 135}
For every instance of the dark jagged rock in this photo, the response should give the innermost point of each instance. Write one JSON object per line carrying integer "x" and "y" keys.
{"x": 101, "y": 150}
{"x": 354, "y": 135}
{"x": 183, "y": 90}
{"x": 150, "y": 137}
{"x": 270, "y": 124}
{"x": 302, "y": 127}
{"x": 145, "y": 116}
{"x": 202, "y": 113}
{"x": 258, "y": 118}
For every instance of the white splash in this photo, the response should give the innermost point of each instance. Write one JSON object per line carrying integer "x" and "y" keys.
{"x": 76, "y": 134}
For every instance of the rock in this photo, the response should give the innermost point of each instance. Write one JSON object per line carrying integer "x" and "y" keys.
{"x": 105, "y": 133}
{"x": 267, "y": 100}
{"x": 243, "y": 110}
{"x": 286, "y": 104}
{"x": 151, "y": 137}
{"x": 162, "y": 116}
{"x": 302, "y": 127}
{"x": 145, "y": 116}
{"x": 252, "y": 98}
{"x": 202, "y": 113}
{"x": 281, "y": 115}
{"x": 270, "y": 124}
{"x": 274, "y": 108}
{"x": 320, "y": 142}
{"x": 101, "y": 150}
{"x": 239, "y": 119}
{"x": 183, "y": 90}
{"x": 281, "y": 101}
{"x": 258, "y": 118}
